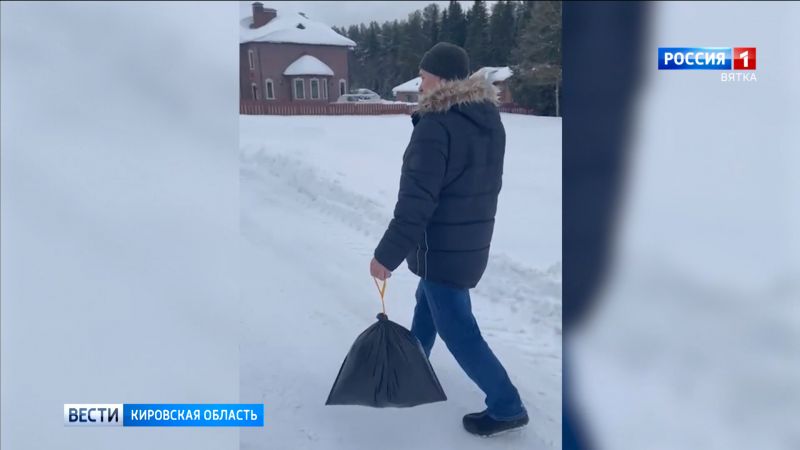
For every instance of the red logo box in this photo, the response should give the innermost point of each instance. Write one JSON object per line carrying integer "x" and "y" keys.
{"x": 744, "y": 58}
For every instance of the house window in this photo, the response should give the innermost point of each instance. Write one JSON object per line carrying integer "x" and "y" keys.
{"x": 254, "y": 87}
{"x": 324, "y": 88}
{"x": 314, "y": 89}
{"x": 299, "y": 89}
{"x": 252, "y": 58}
{"x": 342, "y": 87}
{"x": 269, "y": 90}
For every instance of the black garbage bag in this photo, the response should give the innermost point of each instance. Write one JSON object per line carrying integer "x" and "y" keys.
{"x": 386, "y": 367}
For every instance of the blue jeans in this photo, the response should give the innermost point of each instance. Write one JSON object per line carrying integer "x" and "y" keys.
{"x": 448, "y": 311}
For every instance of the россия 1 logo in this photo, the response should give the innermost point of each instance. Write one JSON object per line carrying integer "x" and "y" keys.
{"x": 733, "y": 59}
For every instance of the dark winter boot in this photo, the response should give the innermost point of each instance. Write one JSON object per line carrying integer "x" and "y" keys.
{"x": 483, "y": 425}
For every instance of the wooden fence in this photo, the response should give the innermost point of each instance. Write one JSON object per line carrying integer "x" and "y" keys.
{"x": 516, "y": 110}
{"x": 250, "y": 107}
{"x": 325, "y": 109}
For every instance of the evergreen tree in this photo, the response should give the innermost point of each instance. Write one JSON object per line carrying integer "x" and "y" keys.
{"x": 353, "y": 57}
{"x": 353, "y": 33}
{"x": 371, "y": 58}
{"x": 444, "y": 29}
{"x": 537, "y": 75}
{"x": 540, "y": 39}
{"x": 430, "y": 23}
{"x": 523, "y": 11}
{"x": 390, "y": 42}
{"x": 388, "y": 54}
{"x": 414, "y": 45}
{"x": 501, "y": 33}
{"x": 457, "y": 23}
{"x": 477, "y": 40}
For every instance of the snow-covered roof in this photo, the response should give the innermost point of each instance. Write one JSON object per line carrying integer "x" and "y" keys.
{"x": 495, "y": 74}
{"x": 291, "y": 28}
{"x": 408, "y": 86}
{"x": 308, "y": 65}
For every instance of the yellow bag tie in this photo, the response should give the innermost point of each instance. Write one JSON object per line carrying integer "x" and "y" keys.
{"x": 381, "y": 291}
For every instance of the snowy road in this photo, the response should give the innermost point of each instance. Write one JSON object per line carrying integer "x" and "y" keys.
{"x": 310, "y": 219}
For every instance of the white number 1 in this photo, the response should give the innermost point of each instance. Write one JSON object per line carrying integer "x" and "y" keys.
{"x": 744, "y": 55}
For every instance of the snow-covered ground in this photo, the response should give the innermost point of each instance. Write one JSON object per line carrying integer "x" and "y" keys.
{"x": 316, "y": 195}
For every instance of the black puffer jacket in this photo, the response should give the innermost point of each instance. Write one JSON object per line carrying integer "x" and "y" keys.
{"x": 451, "y": 177}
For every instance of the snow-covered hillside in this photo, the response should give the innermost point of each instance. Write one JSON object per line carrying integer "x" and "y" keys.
{"x": 316, "y": 196}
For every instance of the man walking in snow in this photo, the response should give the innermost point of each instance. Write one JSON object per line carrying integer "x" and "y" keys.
{"x": 443, "y": 222}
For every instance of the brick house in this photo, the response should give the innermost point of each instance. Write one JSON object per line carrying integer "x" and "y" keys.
{"x": 289, "y": 58}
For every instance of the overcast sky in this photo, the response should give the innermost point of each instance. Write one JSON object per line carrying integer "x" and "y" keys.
{"x": 342, "y": 13}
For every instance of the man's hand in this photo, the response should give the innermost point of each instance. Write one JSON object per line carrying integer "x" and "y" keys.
{"x": 377, "y": 270}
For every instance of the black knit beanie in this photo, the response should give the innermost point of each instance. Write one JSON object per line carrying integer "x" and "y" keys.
{"x": 446, "y": 61}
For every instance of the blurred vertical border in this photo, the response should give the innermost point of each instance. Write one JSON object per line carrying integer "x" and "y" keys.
{"x": 602, "y": 57}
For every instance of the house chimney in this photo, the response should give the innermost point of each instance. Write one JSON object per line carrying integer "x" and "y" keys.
{"x": 261, "y": 15}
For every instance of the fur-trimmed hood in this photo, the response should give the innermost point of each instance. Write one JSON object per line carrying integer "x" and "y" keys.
{"x": 475, "y": 89}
